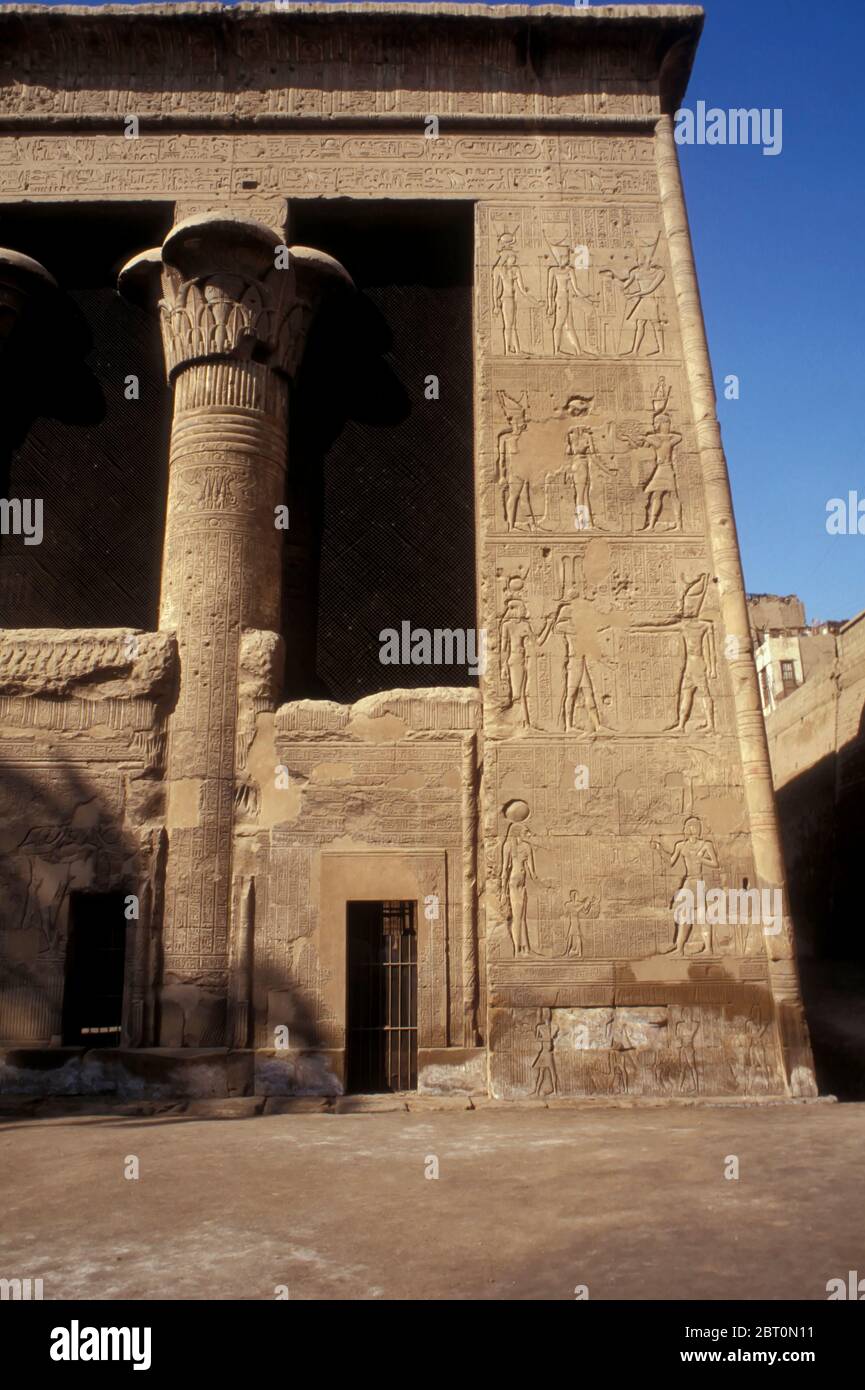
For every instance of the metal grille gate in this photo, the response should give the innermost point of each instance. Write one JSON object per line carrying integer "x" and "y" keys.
{"x": 382, "y": 996}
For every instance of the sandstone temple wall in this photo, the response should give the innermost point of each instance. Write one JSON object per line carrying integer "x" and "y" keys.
{"x": 615, "y": 754}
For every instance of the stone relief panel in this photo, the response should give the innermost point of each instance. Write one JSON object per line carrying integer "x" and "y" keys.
{"x": 590, "y": 448}
{"x": 681, "y": 1051}
{"x": 577, "y": 280}
{"x": 613, "y": 781}
{"x": 587, "y": 858}
{"x": 258, "y": 171}
{"x": 604, "y": 639}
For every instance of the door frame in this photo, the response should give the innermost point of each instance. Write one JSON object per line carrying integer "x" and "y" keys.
{"x": 382, "y": 875}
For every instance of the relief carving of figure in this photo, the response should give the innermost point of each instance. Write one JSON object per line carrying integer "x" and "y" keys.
{"x": 516, "y": 651}
{"x": 643, "y": 312}
{"x": 698, "y": 655}
{"x": 514, "y": 483}
{"x": 518, "y": 867}
{"x": 565, "y": 301}
{"x": 576, "y": 675}
{"x": 756, "y": 1029}
{"x": 584, "y": 456}
{"x": 686, "y": 1031}
{"x": 693, "y": 852}
{"x": 662, "y": 484}
{"x": 575, "y": 908}
{"x": 507, "y": 285}
{"x": 544, "y": 1064}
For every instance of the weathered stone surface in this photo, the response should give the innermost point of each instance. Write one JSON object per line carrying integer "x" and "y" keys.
{"x": 369, "y": 1105}
{"x": 453, "y": 1072}
{"x": 545, "y": 826}
{"x": 292, "y": 1073}
{"x": 298, "y": 1105}
{"x": 41, "y": 1071}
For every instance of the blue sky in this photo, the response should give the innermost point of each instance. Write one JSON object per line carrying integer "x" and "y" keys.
{"x": 779, "y": 247}
{"x": 779, "y": 250}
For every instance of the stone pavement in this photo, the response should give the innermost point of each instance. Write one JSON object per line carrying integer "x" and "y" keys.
{"x": 528, "y": 1202}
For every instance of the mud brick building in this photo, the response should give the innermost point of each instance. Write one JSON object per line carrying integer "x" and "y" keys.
{"x": 407, "y": 331}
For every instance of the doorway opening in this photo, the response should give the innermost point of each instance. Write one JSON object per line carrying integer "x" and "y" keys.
{"x": 95, "y": 955}
{"x": 382, "y": 996}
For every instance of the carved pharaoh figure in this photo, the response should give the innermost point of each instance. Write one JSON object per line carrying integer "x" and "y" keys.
{"x": 694, "y": 853}
{"x": 698, "y": 654}
{"x": 687, "y": 1029}
{"x": 662, "y": 484}
{"x": 544, "y": 1064}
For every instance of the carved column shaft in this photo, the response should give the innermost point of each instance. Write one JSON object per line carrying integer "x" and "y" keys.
{"x": 221, "y": 574}
{"x": 235, "y": 307}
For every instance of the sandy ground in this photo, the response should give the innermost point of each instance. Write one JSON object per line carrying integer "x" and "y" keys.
{"x": 528, "y": 1204}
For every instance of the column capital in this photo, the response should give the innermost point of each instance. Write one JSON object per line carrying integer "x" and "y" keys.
{"x": 229, "y": 289}
{"x": 21, "y": 278}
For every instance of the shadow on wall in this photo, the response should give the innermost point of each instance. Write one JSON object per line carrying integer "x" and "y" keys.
{"x": 344, "y": 377}
{"x": 822, "y": 816}
{"x": 381, "y": 452}
{"x": 60, "y": 834}
{"x": 77, "y": 432}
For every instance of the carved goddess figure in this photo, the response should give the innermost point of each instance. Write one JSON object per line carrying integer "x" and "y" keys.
{"x": 518, "y": 866}
{"x": 564, "y": 299}
{"x": 507, "y": 284}
{"x": 583, "y": 456}
{"x": 516, "y": 649}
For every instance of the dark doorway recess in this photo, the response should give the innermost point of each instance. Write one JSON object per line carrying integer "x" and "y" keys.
{"x": 381, "y": 484}
{"x": 382, "y": 996}
{"x": 93, "y": 994}
{"x": 70, "y": 437}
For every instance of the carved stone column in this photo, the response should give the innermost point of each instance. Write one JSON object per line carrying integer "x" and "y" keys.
{"x": 235, "y": 308}
{"x": 20, "y": 279}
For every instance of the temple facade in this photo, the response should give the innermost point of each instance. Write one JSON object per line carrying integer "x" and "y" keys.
{"x": 557, "y": 874}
